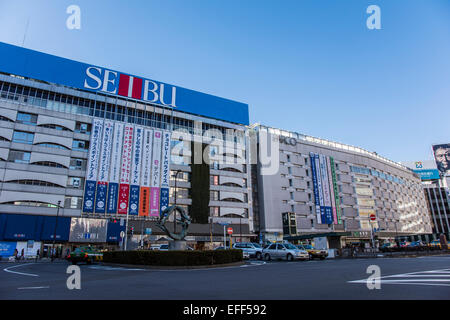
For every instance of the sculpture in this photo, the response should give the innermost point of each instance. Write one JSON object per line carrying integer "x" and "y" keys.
{"x": 185, "y": 221}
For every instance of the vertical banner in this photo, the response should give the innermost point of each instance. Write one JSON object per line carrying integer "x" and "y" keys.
{"x": 124, "y": 187}
{"x": 92, "y": 167}
{"x": 136, "y": 170}
{"x": 330, "y": 183}
{"x": 144, "y": 201}
{"x": 326, "y": 189}
{"x": 114, "y": 173}
{"x": 156, "y": 173}
{"x": 315, "y": 186}
{"x": 319, "y": 186}
{"x": 165, "y": 171}
{"x": 336, "y": 191}
{"x": 103, "y": 171}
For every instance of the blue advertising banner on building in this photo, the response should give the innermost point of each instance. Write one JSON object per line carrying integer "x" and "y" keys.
{"x": 134, "y": 200}
{"x": 428, "y": 174}
{"x": 113, "y": 232}
{"x": 315, "y": 187}
{"x": 22, "y": 227}
{"x": 100, "y": 199}
{"x": 7, "y": 248}
{"x": 62, "y": 229}
{"x": 37, "y": 65}
{"x": 113, "y": 196}
{"x": 164, "y": 201}
{"x": 89, "y": 196}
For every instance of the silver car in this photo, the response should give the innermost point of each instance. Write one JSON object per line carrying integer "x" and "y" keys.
{"x": 283, "y": 251}
{"x": 250, "y": 248}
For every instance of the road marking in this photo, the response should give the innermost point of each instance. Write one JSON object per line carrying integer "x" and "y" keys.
{"x": 430, "y": 277}
{"x": 31, "y": 288}
{"x": 106, "y": 268}
{"x": 21, "y": 273}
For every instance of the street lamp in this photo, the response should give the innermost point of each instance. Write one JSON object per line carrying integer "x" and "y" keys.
{"x": 54, "y": 234}
{"x": 175, "y": 202}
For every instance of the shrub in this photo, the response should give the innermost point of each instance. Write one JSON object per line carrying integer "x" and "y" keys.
{"x": 173, "y": 258}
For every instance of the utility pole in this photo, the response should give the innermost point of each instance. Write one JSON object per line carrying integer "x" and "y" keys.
{"x": 54, "y": 234}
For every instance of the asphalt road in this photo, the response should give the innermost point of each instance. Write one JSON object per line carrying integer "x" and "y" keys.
{"x": 401, "y": 278}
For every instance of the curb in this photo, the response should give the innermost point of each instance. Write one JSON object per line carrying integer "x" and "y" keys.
{"x": 234, "y": 264}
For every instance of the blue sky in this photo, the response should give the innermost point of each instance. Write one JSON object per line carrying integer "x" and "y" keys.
{"x": 307, "y": 66}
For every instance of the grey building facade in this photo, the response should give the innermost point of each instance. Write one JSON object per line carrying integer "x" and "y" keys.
{"x": 366, "y": 185}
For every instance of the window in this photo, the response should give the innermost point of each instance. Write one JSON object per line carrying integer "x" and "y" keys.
{"x": 19, "y": 156}
{"x": 23, "y": 137}
{"x": 308, "y": 184}
{"x": 79, "y": 145}
{"x": 292, "y": 208}
{"x": 290, "y": 182}
{"x": 214, "y": 180}
{"x": 77, "y": 164}
{"x": 75, "y": 182}
{"x": 309, "y": 197}
{"x": 292, "y": 196}
{"x": 214, "y": 195}
{"x": 54, "y": 126}
{"x": 288, "y": 158}
{"x": 83, "y": 128}
{"x": 52, "y": 145}
{"x": 307, "y": 172}
{"x": 27, "y": 118}
{"x": 73, "y": 202}
{"x": 35, "y": 183}
{"x": 49, "y": 164}
{"x": 289, "y": 170}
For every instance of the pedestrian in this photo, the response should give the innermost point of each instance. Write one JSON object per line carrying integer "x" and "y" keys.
{"x": 23, "y": 254}
{"x": 37, "y": 254}
{"x": 16, "y": 254}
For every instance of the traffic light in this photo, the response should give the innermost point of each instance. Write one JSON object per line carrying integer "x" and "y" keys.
{"x": 131, "y": 231}
{"x": 113, "y": 220}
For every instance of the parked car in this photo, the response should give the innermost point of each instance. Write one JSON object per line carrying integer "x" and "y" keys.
{"x": 84, "y": 254}
{"x": 435, "y": 244}
{"x": 254, "y": 250}
{"x": 404, "y": 244}
{"x": 415, "y": 244}
{"x": 220, "y": 248}
{"x": 387, "y": 246}
{"x": 314, "y": 253}
{"x": 163, "y": 247}
{"x": 284, "y": 251}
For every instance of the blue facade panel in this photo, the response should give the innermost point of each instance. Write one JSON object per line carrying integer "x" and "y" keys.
{"x": 62, "y": 229}
{"x": 20, "y": 227}
{"x": 113, "y": 234}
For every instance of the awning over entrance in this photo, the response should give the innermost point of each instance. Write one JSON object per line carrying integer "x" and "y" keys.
{"x": 317, "y": 235}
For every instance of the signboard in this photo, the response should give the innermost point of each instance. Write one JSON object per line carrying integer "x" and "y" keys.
{"x": 103, "y": 171}
{"x": 230, "y": 230}
{"x": 88, "y": 230}
{"x": 442, "y": 157}
{"x": 156, "y": 174}
{"x": 36, "y": 65}
{"x": 7, "y": 248}
{"x": 165, "y": 171}
{"x": 124, "y": 187}
{"x": 114, "y": 174}
{"x": 144, "y": 203}
{"x": 136, "y": 170}
{"x": 426, "y": 169}
{"x": 315, "y": 187}
{"x": 373, "y": 217}
{"x": 92, "y": 166}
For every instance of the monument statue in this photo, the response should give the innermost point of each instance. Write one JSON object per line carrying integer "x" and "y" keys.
{"x": 185, "y": 221}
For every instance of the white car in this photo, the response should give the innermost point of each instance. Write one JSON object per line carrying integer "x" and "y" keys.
{"x": 284, "y": 251}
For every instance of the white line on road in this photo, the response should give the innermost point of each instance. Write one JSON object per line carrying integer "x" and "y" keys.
{"x": 30, "y": 288}
{"x": 21, "y": 273}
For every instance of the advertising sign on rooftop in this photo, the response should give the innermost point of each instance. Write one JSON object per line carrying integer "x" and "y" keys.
{"x": 40, "y": 66}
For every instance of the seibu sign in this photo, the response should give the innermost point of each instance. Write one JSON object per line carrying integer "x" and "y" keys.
{"x": 112, "y": 82}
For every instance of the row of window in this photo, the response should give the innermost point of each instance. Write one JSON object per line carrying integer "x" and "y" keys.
{"x": 376, "y": 173}
{"x": 73, "y": 182}
{"x": 75, "y": 105}
{"x": 28, "y": 138}
{"x": 18, "y": 156}
{"x": 31, "y": 119}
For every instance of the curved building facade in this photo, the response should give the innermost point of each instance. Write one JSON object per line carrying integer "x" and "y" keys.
{"x": 324, "y": 188}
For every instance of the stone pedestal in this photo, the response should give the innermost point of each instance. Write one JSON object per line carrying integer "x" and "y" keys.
{"x": 177, "y": 245}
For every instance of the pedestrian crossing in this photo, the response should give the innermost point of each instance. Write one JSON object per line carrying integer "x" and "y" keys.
{"x": 424, "y": 278}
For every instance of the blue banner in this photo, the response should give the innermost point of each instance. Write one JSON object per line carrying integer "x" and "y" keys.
{"x": 7, "y": 249}
{"x": 113, "y": 196}
{"x": 37, "y": 65}
{"x": 315, "y": 186}
{"x": 89, "y": 196}
{"x": 134, "y": 200}
{"x": 100, "y": 199}
{"x": 164, "y": 199}
{"x": 428, "y": 174}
